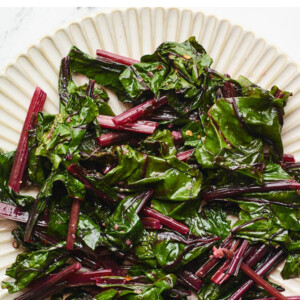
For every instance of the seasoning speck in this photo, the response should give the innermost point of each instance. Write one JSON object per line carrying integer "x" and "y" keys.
{"x": 189, "y": 133}
{"x": 16, "y": 244}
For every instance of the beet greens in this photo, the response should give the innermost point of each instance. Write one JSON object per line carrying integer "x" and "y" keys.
{"x": 137, "y": 206}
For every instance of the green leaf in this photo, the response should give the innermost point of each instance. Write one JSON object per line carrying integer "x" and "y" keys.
{"x": 33, "y": 265}
{"x": 105, "y": 73}
{"x": 124, "y": 227}
{"x": 291, "y": 267}
{"x": 172, "y": 251}
{"x": 87, "y": 229}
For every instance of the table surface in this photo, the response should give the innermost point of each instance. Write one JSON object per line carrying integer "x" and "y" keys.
{"x": 21, "y": 27}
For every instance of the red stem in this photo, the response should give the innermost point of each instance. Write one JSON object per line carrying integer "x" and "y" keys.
{"x": 177, "y": 137}
{"x": 165, "y": 220}
{"x": 116, "y": 58}
{"x": 184, "y": 156}
{"x": 108, "y": 263}
{"x": 21, "y": 157}
{"x": 151, "y": 223}
{"x": 142, "y": 126}
{"x": 288, "y": 158}
{"x": 288, "y": 297}
{"x": 88, "y": 276}
{"x": 271, "y": 186}
{"x": 212, "y": 261}
{"x": 80, "y": 173}
{"x": 73, "y": 224}
{"x": 49, "y": 281}
{"x": 191, "y": 280}
{"x": 14, "y": 213}
{"x": 138, "y": 111}
{"x": 112, "y": 138}
{"x": 256, "y": 277}
{"x": 237, "y": 259}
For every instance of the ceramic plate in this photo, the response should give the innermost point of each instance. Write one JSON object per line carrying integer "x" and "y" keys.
{"x": 134, "y": 32}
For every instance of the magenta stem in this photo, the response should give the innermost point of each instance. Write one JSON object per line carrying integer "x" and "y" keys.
{"x": 165, "y": 220}
{"x": 289, "y": 158}
{"x": 142, "y": 126}
{"x": 151, "y": 223}
{"x": 184, "y": 156}
{"x": 49, "y": 281}
{"x": 261, "y": 271}
{"x": 237, "y": 259}
{"x": 112, "y": 138}
{"x": 191, "y": 280}
{"x": 14, "y": 213}
{"x": 271, "y": 186}
{"x": 139, "y": 111}
{"x": 177, "y": 137}
{"x": 116, "y": 58}
{"x": 21, "y": 157}
{"x": 73, "y": 224}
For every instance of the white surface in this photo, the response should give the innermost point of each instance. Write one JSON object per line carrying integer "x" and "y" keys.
{"x": 21, "y": 27}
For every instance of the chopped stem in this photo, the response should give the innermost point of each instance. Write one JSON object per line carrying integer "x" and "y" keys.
{"x": 212, "y": 261}
{"x": 165, "y": 220}
{"x": 108, "y": 263}
{"x": 184, "y": 156}
{"x": 21, "y": 157}
{"x": 88, "y": 276}
{"x": 237, "y": 259}
{"x": 271, "y": 186}
{"x": 142, "y": 126}
{"x": 289, "y": 158}
{"x": 177, "y": 137}
{"x": 151, "y": 223}
{"x": 191, "y": 280}
{"x": 90, "y": 88}
{"x": 49, "y": 281}
{"x": 80, "y": 173}
{"x": 112, "y": 138}
{"x": 288, "y": 297}
{"x": 116, "y": 58}
{"x": 256, "y": 276}
{"x": 139, "y": 111}
{"x": 73, "y": 224}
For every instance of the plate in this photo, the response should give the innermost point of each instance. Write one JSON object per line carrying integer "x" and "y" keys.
{"x": 133, "y": 32}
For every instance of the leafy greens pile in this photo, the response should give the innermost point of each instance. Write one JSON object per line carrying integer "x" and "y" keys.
{"x": 138, "y": 206}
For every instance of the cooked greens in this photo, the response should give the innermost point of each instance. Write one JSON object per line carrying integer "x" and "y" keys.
{"x": 179, "y": 194}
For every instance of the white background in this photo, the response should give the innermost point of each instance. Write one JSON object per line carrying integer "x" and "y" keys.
{"x": 21, "y": 27}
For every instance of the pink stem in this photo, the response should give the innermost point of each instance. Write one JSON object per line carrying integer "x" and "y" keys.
{"x": 138, "y": 111}
{"x": 48, "y": 281}
{"x": 165, "y": 220}
{"x": 288, "y": 158}
{"x": 256, "y": 277}
{"x": 177, "y": 137}
{"x": 14, "y": 213}
{"x": 151, "y": 223}
{"x": 112, "y": 138}
{"x": 73, "y": 224}
{"x": 146, "y": 127}
{"x": 271, "y": 186}
{"x": 116, "y": 58}
{"x": 21, "y": 157}
{"x": 184, "y": 156}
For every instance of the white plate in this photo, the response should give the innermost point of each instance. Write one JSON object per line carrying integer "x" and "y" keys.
{"x": 134, "y": 32}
